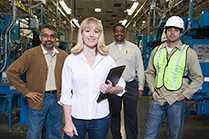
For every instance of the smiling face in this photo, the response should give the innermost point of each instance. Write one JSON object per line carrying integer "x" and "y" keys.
{"x": 119, "y": 34}
{"x": 91, "y": 34}
{"x": 48, "y": 38}
{"x": 172, "y": 34}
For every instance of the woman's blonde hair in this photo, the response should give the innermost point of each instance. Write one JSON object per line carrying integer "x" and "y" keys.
{"x": 101, "y": 47}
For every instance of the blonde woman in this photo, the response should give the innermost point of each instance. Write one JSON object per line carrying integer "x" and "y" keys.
{"x": 83, "y": 78}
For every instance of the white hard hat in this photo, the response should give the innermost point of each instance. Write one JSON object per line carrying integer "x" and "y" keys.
{"x": 175, "y": 21}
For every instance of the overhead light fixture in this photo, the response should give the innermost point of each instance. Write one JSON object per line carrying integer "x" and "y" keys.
{"x": 123, "y": 22}
{"x": 61, "y": 11}
{"x": 75, "y": 22}
{"x": 97, "y": 10}
{"x": 135, "y": 14}
{"x": 65, "y": 7}
{"x": 133, "y": 8}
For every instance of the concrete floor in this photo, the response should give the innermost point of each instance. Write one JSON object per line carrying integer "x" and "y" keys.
{"x": 196, "y": 127}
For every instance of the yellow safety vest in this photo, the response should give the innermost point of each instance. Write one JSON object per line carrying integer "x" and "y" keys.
{"x": 170, "y": 71}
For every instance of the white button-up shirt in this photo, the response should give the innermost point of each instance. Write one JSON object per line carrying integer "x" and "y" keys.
{"x": 129, "y": 54}
{"x": 51, "y": 57}
{"x": 81, "y": 85}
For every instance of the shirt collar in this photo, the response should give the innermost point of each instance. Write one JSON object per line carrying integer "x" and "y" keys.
{"x": 55, "y": 51}
{"x": 178, "y": 46}
{"x": 120, "y": 43}
{"x": 98, "y": 55}
{"x": 98, "y": 58}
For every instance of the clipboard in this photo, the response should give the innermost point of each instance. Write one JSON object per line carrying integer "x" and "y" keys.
{"x": 114, "y": 76}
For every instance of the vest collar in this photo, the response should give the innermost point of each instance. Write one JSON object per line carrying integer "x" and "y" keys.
{"x": 179, "y": 45}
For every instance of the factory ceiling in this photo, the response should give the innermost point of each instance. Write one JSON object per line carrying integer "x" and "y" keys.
{"x": 147, "y": 14}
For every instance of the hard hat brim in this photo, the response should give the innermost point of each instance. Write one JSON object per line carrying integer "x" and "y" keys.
{"x": 173, "y": 27}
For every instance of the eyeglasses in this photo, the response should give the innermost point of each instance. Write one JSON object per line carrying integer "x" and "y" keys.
{"x": 44, "y": 35}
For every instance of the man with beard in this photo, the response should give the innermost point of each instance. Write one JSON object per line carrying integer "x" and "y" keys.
{"x": 42, "y": 66}
{"x": 173, "y": 75}
{"x": 126, "y": 53}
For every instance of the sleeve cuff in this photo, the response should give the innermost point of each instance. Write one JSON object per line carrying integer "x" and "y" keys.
{"x": 120, "y": 94}
{"x": 187, "y": 95}
{"x": 65, "y": 101}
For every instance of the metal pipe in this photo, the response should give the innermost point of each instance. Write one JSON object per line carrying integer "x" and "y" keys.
{"x": 153, "y": 9}
{"x": 190, "y": 16}
{"x": 42, "y": 16}
{"x": 148, "y": 21}
{"x": 7, "y": 36}
{"x": 36, "y": 6}
{"x": 13, "y": 20}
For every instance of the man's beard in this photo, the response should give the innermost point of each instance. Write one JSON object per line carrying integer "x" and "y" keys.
{"x": 48, "y": 45}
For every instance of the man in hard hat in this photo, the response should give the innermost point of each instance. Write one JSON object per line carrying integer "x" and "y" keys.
{"x": 173, "y": 75}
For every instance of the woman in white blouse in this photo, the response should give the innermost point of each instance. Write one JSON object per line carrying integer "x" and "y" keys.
{"x": 83, "y": 78}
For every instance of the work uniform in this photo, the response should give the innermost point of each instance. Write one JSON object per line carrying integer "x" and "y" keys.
{"x": 180, "y": 74}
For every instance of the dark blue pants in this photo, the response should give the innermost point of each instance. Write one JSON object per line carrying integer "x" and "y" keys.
{"x": 96, "y": 129}
{"x": 175, "y": 116}
{"x": 49, "y": 117}
{"x": 129, "y": 99}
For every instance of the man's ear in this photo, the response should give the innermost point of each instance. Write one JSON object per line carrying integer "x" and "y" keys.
{"x": 40, "y": 37}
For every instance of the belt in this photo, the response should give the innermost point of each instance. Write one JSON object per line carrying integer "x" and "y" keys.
{"x": 51, "y": 92}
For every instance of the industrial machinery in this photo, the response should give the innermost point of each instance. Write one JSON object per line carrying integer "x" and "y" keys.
{"x": 12, "y": 46}
{"x": 198, "y": 38}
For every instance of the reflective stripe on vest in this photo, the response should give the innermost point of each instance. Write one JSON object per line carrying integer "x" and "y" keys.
{"x": 169, "y": 72}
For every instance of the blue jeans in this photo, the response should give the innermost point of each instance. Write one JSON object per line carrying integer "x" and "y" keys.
{"x": 96, "y": 129}
{"x": 50, "y": 117}
{"x": 175, "y": 116}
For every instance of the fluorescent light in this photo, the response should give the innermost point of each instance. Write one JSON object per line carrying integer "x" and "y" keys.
{"x": 75, "y": 22}
{"x": 123, "y": 22}
{"x": 136, "y": 13}
{"x": 98, "y": 10}
{"x": 65, "y": 7}
{"x": 133, "y": 8}
{"x": 61, "y": 11}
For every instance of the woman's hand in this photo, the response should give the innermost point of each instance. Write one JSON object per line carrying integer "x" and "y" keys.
{"x": 70, "y": 130}
{"x": 106, "y": 87}
{"x": 109, "y": 88}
